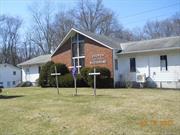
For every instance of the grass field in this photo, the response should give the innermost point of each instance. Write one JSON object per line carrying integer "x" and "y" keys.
{"x": 37, "y": 111}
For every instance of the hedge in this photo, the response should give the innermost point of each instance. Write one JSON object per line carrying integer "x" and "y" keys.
{"x": 103, "y": 80}
{"x": 45, "y": 79}
{"x": 45, "y": 75}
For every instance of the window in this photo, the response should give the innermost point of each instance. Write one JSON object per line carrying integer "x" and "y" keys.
{"x": 14, "y": 72}
{"x": 116, "y": 64}
{"x": 39, "y": 69}
{"x": 74, "y": 49}
{"x": 132, "y": 65}
{"x": 163, "y": 62}
{"x": 27, "y": 70}
{"x": 81, "y": 62}
{"x": 77, "y": 46}
{"x": 8, "y": 84}
{"x": 14, "y": 82}
{"x": 1, "y": 84}
{"x": 81, "y": 49}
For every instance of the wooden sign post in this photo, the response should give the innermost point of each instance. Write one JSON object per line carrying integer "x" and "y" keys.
{"x": 94, "y": 74}
{"x": 56, "y": 75}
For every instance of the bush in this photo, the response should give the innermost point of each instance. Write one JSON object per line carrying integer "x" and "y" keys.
{"x": 84, "y": 73}
{"x": 66, "y": 80}
{"x": 103, "y": 80}
{"x": 25, "y": 84}
{"x": 45, "y": 79}
{"x": 45, "y": 74}
{"x": 81, "y": 81}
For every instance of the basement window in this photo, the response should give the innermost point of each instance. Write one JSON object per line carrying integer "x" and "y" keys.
{"x": 163, "y": 62}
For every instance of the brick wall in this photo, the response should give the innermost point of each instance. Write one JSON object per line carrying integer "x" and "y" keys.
{"x": 91, "y": 48}
{"x": 64, "y": 54}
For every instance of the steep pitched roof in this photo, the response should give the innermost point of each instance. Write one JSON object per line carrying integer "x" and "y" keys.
{"x": 167, "y": 43}
{"x": 101, "y": 39}
{"x": 37, "y": 60}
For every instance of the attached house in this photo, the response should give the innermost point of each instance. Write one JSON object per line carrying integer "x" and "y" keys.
{"x": 156, "y": 62}
{"x": 10, "y": 75}
{"x": 31, "y": 68}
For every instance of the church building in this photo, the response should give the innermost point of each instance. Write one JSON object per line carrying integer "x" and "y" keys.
{"x": 156, "y": 61}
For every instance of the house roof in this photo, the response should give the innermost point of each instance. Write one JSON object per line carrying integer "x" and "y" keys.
{"x": 37, "y": 60}
{"x": 101, "y": 39}
{"x": 168, "y": 43}
{"x": 3, "y": 64}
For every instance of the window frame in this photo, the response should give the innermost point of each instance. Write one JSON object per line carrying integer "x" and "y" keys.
{"x": 14, "y": 73}
{"x": 162, "y": 66}
{"x": 132, "y": 64}
{"x": 78, "y": 56}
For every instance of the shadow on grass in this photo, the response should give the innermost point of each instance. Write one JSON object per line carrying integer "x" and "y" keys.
{"x": 10, "y": 97}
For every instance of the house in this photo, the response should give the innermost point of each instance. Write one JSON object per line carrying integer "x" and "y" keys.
{"x": 31, "y": 68}
{"x": 10, "y": 75}
{"x": 154, "y": 61}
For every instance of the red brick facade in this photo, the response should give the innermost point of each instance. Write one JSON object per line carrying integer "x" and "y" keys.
{"x": 64, "y": 54}
{"x": 92, "y": 48}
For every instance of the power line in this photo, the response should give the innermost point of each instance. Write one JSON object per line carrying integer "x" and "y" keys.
{"x": 147, "y": 11}
{"x": 146, "y": 19}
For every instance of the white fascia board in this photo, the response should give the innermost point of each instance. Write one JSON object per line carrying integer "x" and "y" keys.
{"x": 153, "y": 50}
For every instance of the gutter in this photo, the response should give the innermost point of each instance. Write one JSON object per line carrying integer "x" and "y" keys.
{"x": 152, "y": 50}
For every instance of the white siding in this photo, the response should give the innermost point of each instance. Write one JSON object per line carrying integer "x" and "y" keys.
{"x": 7, "y": 77}
{"x": 149, "y": 64}
{"x": 32, "y": 75}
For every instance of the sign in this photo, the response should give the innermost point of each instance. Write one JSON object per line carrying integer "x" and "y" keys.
{"x": 98, "y": 59}
{"x": 74, "y": 72}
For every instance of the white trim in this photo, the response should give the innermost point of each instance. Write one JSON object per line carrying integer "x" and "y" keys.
{"x": 92, "y": 39}
{"x": 152, "y": 50}
{"x": 72, "y": 29}
{"x": 78, "y": 57}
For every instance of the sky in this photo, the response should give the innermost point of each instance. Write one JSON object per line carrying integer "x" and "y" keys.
{"x": 130, "y": 13}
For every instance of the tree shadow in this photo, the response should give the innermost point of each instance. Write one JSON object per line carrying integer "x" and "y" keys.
{"x": 10, "y": 97}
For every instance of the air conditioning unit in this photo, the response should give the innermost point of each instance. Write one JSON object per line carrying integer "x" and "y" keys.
{"x": 141, "y": 78}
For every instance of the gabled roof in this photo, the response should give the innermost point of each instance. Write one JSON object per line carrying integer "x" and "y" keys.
{"x": 101, "y": 39}
{"x": 3, "y": 64}
{"x": 37, "y": 60}
{"x": 168, "y": 43}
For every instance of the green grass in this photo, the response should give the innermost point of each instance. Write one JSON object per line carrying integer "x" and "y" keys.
{"x": 37, "y": 111}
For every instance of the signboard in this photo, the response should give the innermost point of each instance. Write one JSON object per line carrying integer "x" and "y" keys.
{"x": 98, "y": 59}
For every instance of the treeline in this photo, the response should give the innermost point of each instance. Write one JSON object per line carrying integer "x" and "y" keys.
{"x": 49, "y": 26}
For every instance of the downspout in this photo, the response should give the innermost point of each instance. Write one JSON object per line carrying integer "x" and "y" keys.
{"x": 113, "y": 67}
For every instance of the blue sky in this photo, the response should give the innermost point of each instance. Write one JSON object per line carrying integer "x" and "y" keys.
{"x": 125, "y": 10}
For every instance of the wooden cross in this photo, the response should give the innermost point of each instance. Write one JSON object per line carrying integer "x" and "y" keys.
{"x": 94, "y": 74}
{"x": 56, "y": 74}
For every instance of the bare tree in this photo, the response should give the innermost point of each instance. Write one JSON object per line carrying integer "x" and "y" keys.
{"x": 94, "y": 17}
{"x": 9, "y": 39}
{"x": 157, "y": 29}
{"x": 62, "y": 24}
{"x": 42, "y": 29}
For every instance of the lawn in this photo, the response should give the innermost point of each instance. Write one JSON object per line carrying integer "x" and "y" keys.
{"x": 37, "y": 111}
